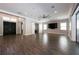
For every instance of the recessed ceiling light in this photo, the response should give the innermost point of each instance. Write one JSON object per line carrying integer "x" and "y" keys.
{"x": 55, "y": 12}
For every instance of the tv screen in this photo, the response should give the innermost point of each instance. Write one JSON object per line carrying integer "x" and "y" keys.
{"x": 52, "y": 25}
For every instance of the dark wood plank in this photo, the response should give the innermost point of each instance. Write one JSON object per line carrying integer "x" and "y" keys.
{"x": 40, "y": 44}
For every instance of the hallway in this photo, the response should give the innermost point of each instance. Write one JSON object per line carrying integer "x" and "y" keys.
{"x": 42, "y": 44}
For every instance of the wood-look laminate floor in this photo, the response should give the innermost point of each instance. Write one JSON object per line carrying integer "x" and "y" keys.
{"x": 42, "y": 44}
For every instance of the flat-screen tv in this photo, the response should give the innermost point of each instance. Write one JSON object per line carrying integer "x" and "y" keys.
{"x": 52, "y": 25}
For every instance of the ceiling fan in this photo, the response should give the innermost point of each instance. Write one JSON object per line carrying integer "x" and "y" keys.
{"x": 44, "y": 16}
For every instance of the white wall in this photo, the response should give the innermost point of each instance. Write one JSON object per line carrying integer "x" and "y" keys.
{"x": 1, "y": 27}
{"x": 69, "y": 28}
{"x": 40, "y": 27}
{"x": 29, "y": 27}
{"x": 73, "y": 22}
{"x": 10, "y": 18}
{"x": 73, "y": 30}
{"x": 18, "y": 26}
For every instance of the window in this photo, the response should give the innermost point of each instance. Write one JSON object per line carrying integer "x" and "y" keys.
{"x": 63, "y": 26}
{"x": 45, "y": 26}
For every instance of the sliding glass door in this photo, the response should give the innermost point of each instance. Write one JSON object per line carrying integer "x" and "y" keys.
{"x": 77, "y": 18}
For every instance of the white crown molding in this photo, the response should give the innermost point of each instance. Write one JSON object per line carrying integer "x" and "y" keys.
{"x": 12, "y": 13}
{"x": 19, "y": 15}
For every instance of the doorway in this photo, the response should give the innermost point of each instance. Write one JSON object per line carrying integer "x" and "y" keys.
{"x": 36, "y": 28}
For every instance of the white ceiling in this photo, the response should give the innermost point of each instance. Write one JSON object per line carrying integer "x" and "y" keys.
{"x": 37, "y": 10}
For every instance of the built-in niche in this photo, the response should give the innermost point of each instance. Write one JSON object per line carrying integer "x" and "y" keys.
{"x": 9, "y": 28}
